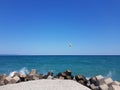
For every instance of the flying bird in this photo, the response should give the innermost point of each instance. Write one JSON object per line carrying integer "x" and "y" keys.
{"x": 70, "y": 45}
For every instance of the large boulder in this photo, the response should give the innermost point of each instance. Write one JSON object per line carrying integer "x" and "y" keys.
{"x": 93, "y": 87}
{"x": 33, "y": 72}
{"x": 50, "y": 74}
{"x": 50, "y": 77}
{"x": 33, "y": 75}
{"x": 16, "y": 74}
{"x": 22, "y": 77}
{"x": 99, "y": 80}
{"x": 28, "y": 78}
{"x": 103, "y": 87}
{"x": 36, "y": 77}
{"x": 93, "y": 80}
{"x": 9, "y": 80}
{"x": 114, "y": 87}
{"x": 115, "y": 83}
{"x": 2, "y": 78}
{"x": 108, "y": 81}
{"x": 66, "y": 75}
{"x": 81, "y": 79}
{"x": 69, "y": 77}
{"x": 62, "y": 78}
{"x": 68, "y": 72}
{"x": 16, "y": 78}
{"x": 41, "y": 76}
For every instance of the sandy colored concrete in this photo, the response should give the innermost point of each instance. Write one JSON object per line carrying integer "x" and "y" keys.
{"x": 45, "y": 85}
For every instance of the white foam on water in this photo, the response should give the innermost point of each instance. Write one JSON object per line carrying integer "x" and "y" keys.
{"x": 24, "y": 71}
{"x": 87, "y": 78}
{"x": 12, "y": 73}
{"x": 110, "y": 74}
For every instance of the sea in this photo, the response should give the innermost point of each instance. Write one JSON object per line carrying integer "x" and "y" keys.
{"x": 87, "y": 65}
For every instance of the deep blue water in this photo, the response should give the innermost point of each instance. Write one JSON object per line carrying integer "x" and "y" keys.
{"x": 85, "y": 65}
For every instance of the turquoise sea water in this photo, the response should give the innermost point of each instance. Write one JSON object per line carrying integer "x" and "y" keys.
{"x": 108, "y": 66}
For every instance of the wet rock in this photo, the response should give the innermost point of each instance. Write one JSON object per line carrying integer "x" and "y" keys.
{"x": 103, "y": 87}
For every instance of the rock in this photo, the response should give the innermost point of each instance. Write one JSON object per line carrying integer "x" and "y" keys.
{"x": 33, "y": 72}
{"x": 68, "y": 72}
{"x": 2, "y": 78}
{"x": 16, "y": 78}
{"x": 16, "y": 74}
{"x": 115, "y": 83}
{"x": 29, "y": 77}
{"x": 22, "y": 77}
{"x": 103, "y": 87}
{"x": 93, "y": 80}
{"x": 45, "y": 76}
{"x": 35, "y": 77}
{"x": 61, "y": 78}
{"x": 41, "y": 76}
{"x": 59, "y": 74}
{"x": 81, "y": 79}
{"x": 69, "y": 77}
{"x": 108, "y": 81}
{"x": 50, "y": 73}
{"x": 50, "y": 77}
{"x": 9, "y": 80}
{"x": 32, "y": 77}
{"x": 99, "y": 80}
{"x": 114, "y": 87}
{"x": 93, "y": 87}
{"x": 63, "y": 74}
{"x": 99, "y": 77}
{"x": 81, "y": 82}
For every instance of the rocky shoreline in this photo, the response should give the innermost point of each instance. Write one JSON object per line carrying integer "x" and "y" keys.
{"x": 94, "y": 83}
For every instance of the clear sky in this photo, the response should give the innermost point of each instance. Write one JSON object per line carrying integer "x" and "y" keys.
{"x": 49, "y": 26}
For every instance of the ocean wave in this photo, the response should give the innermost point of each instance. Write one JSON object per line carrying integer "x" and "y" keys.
{"x": 110, "y": 74}
{"x": 23, "y": 71}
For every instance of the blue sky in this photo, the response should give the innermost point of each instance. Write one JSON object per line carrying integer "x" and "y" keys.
{"x": 46, "y": 27}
